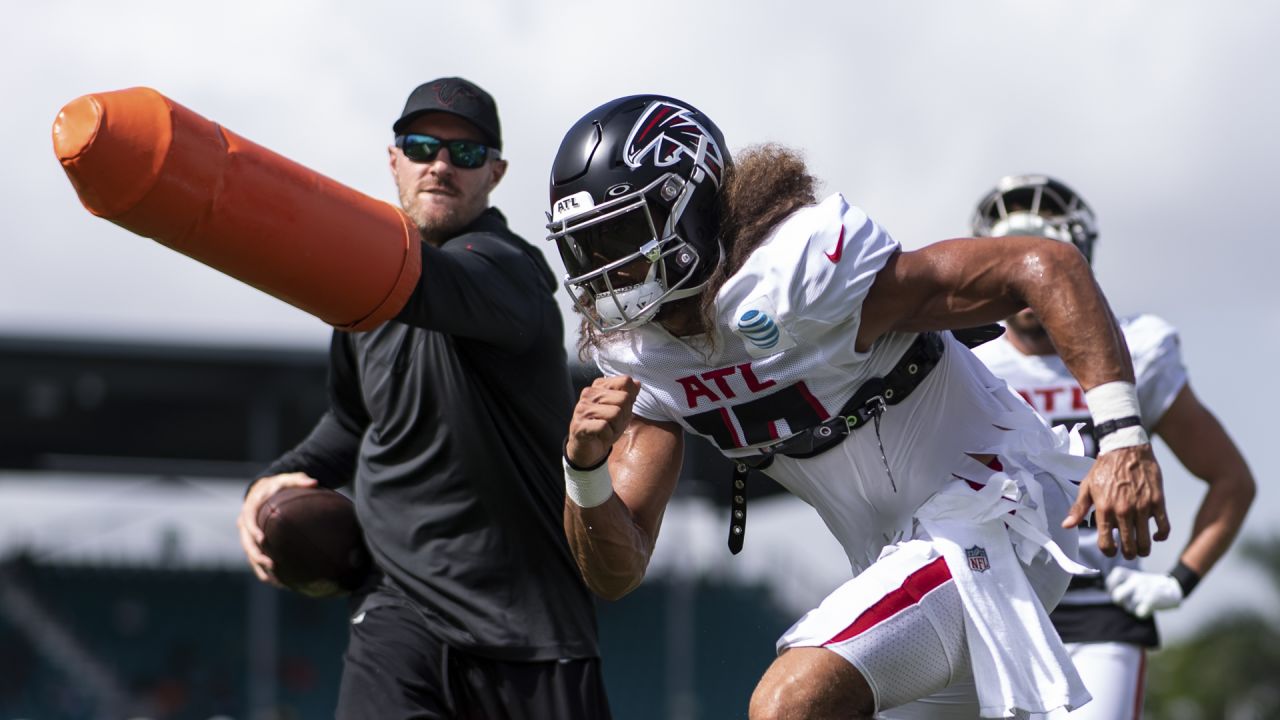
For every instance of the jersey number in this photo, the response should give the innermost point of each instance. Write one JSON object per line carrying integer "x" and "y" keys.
{"x": 759, "y": 419}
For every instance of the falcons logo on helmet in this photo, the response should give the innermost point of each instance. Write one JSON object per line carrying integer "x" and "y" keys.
{"x": 665, "y": 132}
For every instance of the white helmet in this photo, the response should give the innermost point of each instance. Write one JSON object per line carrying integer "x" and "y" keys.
{"x": 1036, "y": 205}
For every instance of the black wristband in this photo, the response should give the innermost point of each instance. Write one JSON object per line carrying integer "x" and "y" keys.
{"x": 1186, "y": 577}
{"x": 564, "y": 450}
{"x": 1101, "y": 430}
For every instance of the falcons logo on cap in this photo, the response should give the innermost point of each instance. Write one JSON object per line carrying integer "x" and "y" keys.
{"x": 447, "y": 92}
{"x": 665, "y": 132}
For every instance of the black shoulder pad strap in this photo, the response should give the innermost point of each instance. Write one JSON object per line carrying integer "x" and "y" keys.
{"x": 975, "y": 336}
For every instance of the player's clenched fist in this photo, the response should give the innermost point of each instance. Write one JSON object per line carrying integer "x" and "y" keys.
{"x": 600, "y": 417}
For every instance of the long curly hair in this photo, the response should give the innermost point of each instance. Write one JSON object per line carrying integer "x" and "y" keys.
{"x": 765, "y": 185}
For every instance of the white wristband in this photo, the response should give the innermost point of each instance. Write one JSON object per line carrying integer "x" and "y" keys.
{"x": 1123, "y": 438}
{"x": 1116, "y": 401}
{"x": 587, "y": 488}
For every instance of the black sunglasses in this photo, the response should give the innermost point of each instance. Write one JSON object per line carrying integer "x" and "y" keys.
{"x": 466, "y": 154}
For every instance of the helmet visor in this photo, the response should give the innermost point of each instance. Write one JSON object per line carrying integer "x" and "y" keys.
{"x": 612, "y": 238}
{"x": 617, "y": 254}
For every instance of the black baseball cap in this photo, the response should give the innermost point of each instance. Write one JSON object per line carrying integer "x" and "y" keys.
{"x": 455, "y": 96}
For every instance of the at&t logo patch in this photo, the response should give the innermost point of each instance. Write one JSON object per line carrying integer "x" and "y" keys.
{"x": 759, "y": 330}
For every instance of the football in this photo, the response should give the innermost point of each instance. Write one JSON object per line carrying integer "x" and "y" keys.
{"x": 315, "y": 541}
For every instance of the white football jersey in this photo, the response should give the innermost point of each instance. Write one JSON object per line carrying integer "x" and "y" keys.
{"x": 1044, "y": 382}
{"x": 784, "y": 360}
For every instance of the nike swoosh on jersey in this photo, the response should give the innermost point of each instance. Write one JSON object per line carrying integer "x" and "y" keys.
{"x": 839, "y": 251}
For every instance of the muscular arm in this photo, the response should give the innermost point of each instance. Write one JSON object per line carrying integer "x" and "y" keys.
{"x": 1202, "y": 446}
{"x": 961, "y": 283}
{"x": 613, "y": 542}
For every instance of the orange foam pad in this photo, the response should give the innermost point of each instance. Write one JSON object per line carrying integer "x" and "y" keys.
{"x": 155, "y": 168}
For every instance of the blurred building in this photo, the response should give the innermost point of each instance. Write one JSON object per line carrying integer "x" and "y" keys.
{"x": 124, "y": 593}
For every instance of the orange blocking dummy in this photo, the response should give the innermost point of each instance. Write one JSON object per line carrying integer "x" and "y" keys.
{"x": 155, "y": 168}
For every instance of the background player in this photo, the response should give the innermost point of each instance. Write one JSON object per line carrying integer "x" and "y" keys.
{"x": 1107, "y": 620}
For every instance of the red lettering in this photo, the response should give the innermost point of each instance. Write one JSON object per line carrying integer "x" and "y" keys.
{"x": 1047, "y": 394}
{"x": 1077, "y": 399}
{"x": 694, "y": 389}
{"x": 1026, "y": 396}
{"x": 753, "y": 384}
{"x": 718, "y": 376}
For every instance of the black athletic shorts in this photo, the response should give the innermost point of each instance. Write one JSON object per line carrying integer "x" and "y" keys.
{"x": 396, "y": 669}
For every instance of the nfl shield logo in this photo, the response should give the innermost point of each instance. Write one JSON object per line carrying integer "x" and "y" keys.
{"x": 977, "y": 559}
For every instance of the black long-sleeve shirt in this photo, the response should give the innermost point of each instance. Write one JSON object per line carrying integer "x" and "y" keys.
{"x": 450, "y": 420}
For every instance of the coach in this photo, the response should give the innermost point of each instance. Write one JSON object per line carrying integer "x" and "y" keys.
{"x": 449, "y": 422}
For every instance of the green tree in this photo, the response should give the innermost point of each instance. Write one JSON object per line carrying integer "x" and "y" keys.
{"x": 1230, "y": 670}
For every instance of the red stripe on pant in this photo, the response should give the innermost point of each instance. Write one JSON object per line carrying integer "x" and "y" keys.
{"x": 1142, "y": 681}
{"x": 917, "y": 585}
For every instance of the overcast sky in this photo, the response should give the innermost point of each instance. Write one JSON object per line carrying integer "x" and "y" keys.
{"x": 1162, "y": 115}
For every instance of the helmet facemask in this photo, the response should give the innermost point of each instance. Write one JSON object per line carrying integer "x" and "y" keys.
{"x": 1037, "y": 205}
{"x": 624, "y": 256}
{"x": 635, "y": 208}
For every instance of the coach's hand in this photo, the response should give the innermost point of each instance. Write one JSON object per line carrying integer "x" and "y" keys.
{"x": 250, "y": 534}
{"x": 1125, "y": 488}
{"x": 599, "y": 419}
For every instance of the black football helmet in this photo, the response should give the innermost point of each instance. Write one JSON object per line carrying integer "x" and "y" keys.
{"x": 1036, "y": 205}
{"x": 635, "y": 208}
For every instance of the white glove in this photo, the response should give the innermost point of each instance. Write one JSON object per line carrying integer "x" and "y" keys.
{"x": 1142, "y": 593}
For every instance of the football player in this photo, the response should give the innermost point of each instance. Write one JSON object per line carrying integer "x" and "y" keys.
{"x": 725, "y": 300}
{"x": 1107, "y": 619}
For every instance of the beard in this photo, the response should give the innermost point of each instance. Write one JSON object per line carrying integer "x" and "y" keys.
{"x": 439, "y": 217}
